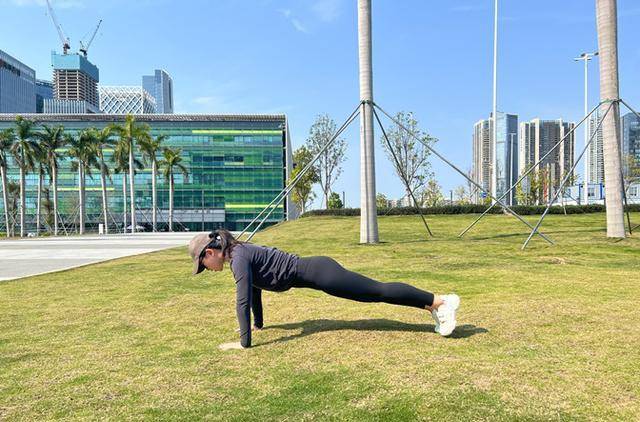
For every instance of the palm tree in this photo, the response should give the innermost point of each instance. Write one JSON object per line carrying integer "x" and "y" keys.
{"x": 121, "y": 159}
{"x": 83, "y": 150}
{"x": 40, "y": 163}
{"x": 172, "y": 161}
{"x": 150, "y": 148}
{"x": 7, "y": 138}
{"x": 24, "y": 150}
{"x": 52, "y": 139}
{"x": 102, "y": 139}
{"x": 607, "y": 24}
{"x": 130, "y": 133}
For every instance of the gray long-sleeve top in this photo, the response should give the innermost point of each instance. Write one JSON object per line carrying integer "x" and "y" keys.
{"x": 257, "y": 268}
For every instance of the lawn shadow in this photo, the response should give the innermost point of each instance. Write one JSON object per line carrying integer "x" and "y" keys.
{"x": 313, "y": 326}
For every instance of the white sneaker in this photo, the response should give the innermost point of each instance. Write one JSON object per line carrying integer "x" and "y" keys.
{"x": 446, "y": 314}
{"x": 434, "y": 314}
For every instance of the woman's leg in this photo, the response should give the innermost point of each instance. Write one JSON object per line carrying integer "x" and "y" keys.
{"x": 325, "y": 274}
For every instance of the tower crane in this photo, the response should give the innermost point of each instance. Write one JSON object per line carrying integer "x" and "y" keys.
{"x": 65, "y": 40}
{"x": 83, "y": 48}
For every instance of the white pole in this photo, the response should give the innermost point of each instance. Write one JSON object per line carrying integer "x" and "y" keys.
{"x": 511, "y": 171}
{"x": 494, "y": 138}
{"x": 587, "y": 128}
{"x": 368, "y": 217}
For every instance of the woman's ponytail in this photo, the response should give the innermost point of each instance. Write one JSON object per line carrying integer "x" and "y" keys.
{"x": 223, "y": 239}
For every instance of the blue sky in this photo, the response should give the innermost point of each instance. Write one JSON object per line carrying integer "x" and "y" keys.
{"x": 299, "y": 57}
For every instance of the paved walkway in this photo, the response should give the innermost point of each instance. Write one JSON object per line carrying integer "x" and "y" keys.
{"x": 27, "y": 257}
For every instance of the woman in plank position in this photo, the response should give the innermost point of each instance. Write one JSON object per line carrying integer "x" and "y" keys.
{"x": 256, "y": 268}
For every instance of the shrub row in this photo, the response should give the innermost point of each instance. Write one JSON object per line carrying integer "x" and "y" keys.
{"x": 471, "y": 209}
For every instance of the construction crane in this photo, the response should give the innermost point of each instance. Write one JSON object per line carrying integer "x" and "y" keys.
{"x": 65, "y": 40}
{"x": 84, "y": 49}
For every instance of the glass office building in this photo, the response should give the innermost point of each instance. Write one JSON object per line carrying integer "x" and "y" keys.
{"x": 504, "y": 158}
{"x": 160, "y": 86}
{"x": 236, "y": 164}
{"x": 17, "y": 86}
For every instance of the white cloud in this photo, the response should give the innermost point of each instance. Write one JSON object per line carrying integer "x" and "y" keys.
{"x": 327, "y": 10}
{"x": 297, "y": 24}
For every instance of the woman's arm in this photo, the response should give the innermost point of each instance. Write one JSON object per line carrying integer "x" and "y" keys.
{"x": 256, "y": 306}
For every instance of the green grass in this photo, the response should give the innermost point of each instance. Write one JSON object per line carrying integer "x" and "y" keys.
{"x": 551, "y": 333}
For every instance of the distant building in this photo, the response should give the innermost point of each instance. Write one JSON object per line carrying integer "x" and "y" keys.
{"x": 74, "y": 79}
{"x": 537, "y": 138}
{"x": 595, "y": 153}
{"x": 17, "y": 86}
{"x": 53, "y": 106}
{"x": 505, "y": 160}
{"x": 630, "y": 139}
{"x": 44, "y": 91}
{"x": 126, "y": 100}
{"x": 160, "y": 86}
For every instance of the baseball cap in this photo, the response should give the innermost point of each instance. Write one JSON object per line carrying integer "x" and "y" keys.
{"x": 198, "y": 244}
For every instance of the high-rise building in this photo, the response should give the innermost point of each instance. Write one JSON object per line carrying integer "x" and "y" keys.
{"x": 236, "y": 165}
{"x": 630, "y": 141}
{"x": 17, "y": 86}
{"x": 160, "y": 86}
{"x": 74, "y": 79}
{"x": 126, "y": 100}
{"x": 595, "y": 153}
{"x": 537, "y": 138}
{"x": 505, "y": 159}
{"x": 44, "y": 91}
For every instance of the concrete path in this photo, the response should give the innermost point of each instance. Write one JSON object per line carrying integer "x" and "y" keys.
{"x": 27, "y": 257}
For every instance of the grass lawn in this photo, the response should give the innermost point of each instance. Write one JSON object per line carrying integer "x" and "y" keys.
{"x": 549, "y": 333}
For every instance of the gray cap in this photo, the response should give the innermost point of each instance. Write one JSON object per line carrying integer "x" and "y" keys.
{"x": 196, "y": 246}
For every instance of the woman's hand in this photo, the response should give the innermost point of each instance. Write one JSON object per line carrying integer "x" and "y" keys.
{"x": 231, "y": 346}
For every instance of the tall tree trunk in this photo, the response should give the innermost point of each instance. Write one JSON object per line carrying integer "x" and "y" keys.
{"x": 132, "y": 192}
{"x": 54, "y": 176}
{"x": 81, "y": 196}
{"x": 154, "y": 199}
{"x": 607, "y": 23}
{"x": 103, "y": 185}
{"x": 171, "y": 202}
{"x": 368, "y": 216}
{"x": 124, "y": 202}
{"x": 39, "y": 202}
{"x": 23, "y": 201}
{"x": 5, "y": 200}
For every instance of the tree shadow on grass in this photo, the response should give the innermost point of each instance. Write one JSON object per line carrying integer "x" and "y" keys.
{"x": 313, "y": 326}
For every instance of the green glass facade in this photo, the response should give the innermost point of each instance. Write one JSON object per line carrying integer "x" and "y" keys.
{"x": 236, "y": 166}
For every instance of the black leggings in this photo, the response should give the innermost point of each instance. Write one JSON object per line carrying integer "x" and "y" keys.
{"x": 325, "y": 274}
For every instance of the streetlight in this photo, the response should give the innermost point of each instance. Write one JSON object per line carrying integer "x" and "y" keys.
{"x": 585, "y": 57}
{"x": 494, "y": 139}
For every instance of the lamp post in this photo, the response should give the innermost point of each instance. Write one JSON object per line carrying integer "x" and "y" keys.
{"x": 585, "y": 57}
{"x": 494, "y": 138}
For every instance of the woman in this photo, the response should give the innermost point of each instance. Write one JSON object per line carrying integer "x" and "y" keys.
{"x": 256, "y": 268}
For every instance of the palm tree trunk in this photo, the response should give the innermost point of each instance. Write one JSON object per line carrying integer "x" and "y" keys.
{"x": 154, "y": 219}
{"x": 171, "y": 202}
{"x": 124, "y": 202}
{"x": 22, "y": 198}
{"x": 39, "y": 203}
{"x": 81, "y": 196}
{"x": 132, "y": 192}
{"x": 5, "y": 200}
{"x": 103, "y": 185}
{"x": 54, "y": 176}
{"x": 607, "y": 24}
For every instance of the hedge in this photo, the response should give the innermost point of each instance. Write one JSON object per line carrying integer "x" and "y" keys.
{"x": 471, "y": 209}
